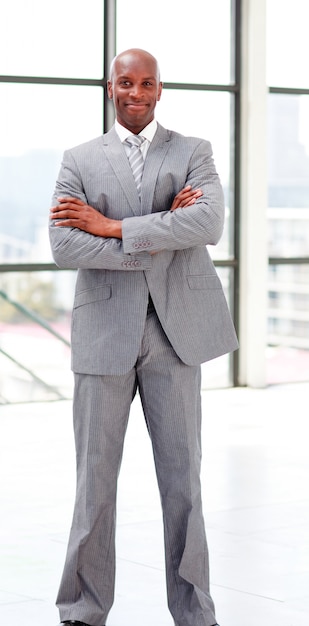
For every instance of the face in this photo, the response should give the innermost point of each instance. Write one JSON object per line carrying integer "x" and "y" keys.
{"x": 135, "y": 88}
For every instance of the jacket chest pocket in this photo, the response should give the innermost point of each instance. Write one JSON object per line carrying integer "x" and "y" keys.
{"x": 203, "y": 281}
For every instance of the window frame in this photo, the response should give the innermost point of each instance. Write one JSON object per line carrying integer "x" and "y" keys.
{"x": 234, "y": 88}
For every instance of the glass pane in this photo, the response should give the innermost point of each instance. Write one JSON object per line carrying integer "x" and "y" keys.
{"x": 191, "y": 42}
{"x": 205, "y": 114}
{"x": 35, "y": 363}
{"x": 288, "y": 323}
{"x": 288, "y": 43}
{"x": 288, "y": 180}
{"x": 59, "y": 38}
{"x": 37, "y": 123}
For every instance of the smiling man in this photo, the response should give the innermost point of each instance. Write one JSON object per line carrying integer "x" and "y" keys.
{"x": 134, "y": 211}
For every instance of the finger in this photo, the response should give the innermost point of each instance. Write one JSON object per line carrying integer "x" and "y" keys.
{"x": 67, "y": 206}
{"x": 70, "y": 199}
{"x": 179, "y": 202}
{"x": 189, "y": 203}
{"x": 185, "y": 203}
{"x": 189, "y": 200}
{"x": 183, "y": 195}
{"x": 193, "y": 193}
{"x": 68, "y": 222}
{"x": 62, "y": 215}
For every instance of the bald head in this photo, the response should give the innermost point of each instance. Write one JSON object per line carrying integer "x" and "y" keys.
{"x": 133, "y": 56}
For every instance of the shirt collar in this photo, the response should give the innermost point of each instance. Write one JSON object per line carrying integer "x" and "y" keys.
{"x": 148, "y": 132}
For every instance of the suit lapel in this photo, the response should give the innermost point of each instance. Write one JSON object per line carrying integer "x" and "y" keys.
{"x": 154, "y": 159}
{"x": 115, "y": 153}
{"x": 118, "y": 160}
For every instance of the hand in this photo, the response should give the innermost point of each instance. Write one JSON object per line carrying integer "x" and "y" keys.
{"x": 77, "y": 214}
{"x": 186, "y": 197}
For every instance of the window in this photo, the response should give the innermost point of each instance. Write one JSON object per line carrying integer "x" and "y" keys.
{"x": 52, "y": 39}
{"x": 288, "y": 44}
{"x": 52, "y": 91}
{"x": 37, "y": 124}
{"x": 288, "y": 191}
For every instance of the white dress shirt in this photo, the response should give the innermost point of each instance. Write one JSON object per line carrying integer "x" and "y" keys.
{"x": 148, "y": 132}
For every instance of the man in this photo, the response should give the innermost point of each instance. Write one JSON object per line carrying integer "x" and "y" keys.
{"x": 148, "y": 310}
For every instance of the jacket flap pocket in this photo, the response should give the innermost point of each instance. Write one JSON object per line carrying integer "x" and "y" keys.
{"x": 103, "y": 292}
{"x": 203, "y": 281}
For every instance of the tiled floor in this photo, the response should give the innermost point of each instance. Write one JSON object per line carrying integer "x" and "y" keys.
{"x": 256, "y": 503}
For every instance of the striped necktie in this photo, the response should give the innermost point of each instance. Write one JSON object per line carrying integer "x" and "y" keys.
{"x": 136, "y": 159}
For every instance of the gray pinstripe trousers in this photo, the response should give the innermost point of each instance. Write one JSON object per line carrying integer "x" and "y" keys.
{"x": 170, "y": 395}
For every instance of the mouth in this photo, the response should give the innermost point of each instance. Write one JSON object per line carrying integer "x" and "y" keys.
{"x": 136, "y": 105}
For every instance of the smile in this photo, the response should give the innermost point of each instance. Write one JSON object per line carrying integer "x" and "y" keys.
{"x": 136, "y": 105}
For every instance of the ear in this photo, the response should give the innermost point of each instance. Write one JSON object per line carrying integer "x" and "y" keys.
{"x": 109, "y": 90}
{"x": 160, "y": 87}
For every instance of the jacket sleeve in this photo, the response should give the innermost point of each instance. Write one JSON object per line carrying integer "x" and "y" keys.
{"x": 199, "y": 224}
{"x": 73, "y": 248}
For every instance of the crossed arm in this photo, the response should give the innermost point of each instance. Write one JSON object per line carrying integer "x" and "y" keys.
{"x": 74, "y": 213}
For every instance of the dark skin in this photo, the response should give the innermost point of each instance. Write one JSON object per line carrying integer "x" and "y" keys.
{"x": 135, "y": 88}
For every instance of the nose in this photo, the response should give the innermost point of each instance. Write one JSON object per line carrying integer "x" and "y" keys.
{"x": 135, "y": 91}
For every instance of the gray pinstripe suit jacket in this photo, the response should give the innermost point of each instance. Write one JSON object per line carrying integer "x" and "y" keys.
{"x": 115, "y": 277}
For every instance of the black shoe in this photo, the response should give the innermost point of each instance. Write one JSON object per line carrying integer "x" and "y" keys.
{"x": 73, "y": 622}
